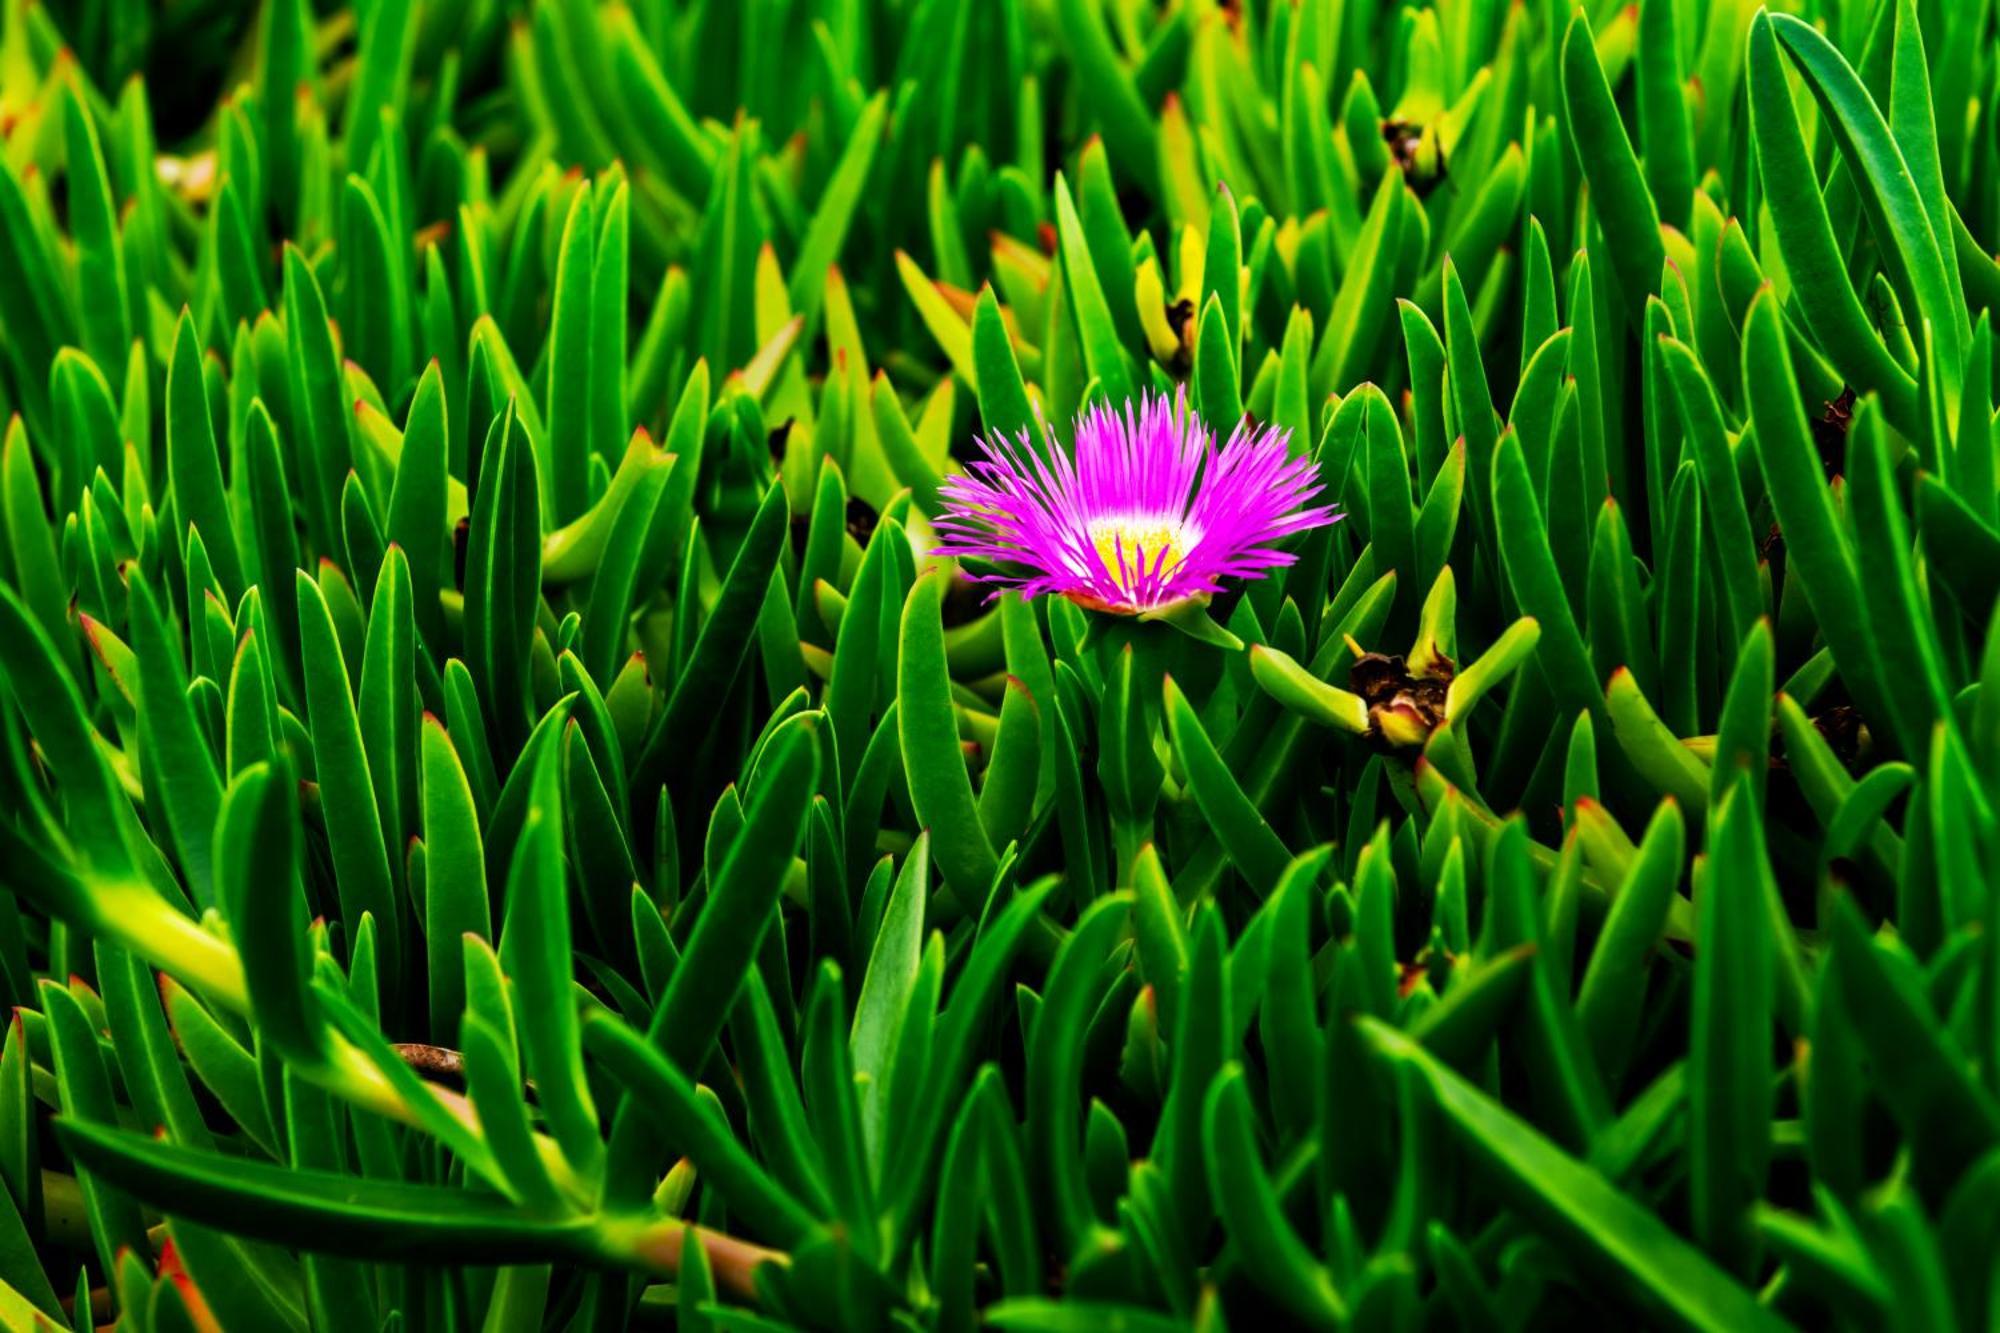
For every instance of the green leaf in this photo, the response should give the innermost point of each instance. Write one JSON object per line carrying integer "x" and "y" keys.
{"x": 388, "y": 706}
{"x": 1888, "y": 192}
{"x": 1034, "y": 1314}
{"x": 955, "y": 1228}
{"x": 1538, "y": 587}
{"x": 1459, "y": 1029}
{"x": 319, "y": 409}
{"x": 1107, "y": 88}
{"x": 610, "y": 279}
{"x": 503, "y": 568}
{"x": 535, "y": 950}
{"x": 34, "y": 309}
{"x": 1656, "y": 753}
{"x": 1919, "y": 1071}
{"x": 777, "y": 1111}
{"x": 882, "y": 1012}
{"x": 829, "y": 1079}
{"x": 697, "y": 1129}
{"x": 1359, "y": 311}
{"x": 1818, "y": 271}
{"x": 325, "y": 1211}
{"x": 1304, "y": 693}
{"x": 417, "y": 519}
{"x": 37, "y": 577}
{"x": 724, "y": 643}
{"x": 193, "y": 461}
{"x": 1007, "y": 790}
{"x": 1568, "y": 1091}
{"x": 1614, "y": 984}
{"x": 724, "y": 274}
{"x": 944, "y": 323}
{"x": 743, "y": 890}
{"x": 1004, "y": 407}
{"x": 1729, "y": 1081}
{"x": 178, "y": 761}
{"x": 83, "y": 1085}
{"x": 1473, "y": 404}
{"x": 387, "y": 45}
{"x": 256, "y": 838}
{"x": 220, "y": 1062}
{"x": 1572, "y": 1205}
{"x": 1904, "y": 631}
{"x": 493, "y": 1083}
{"x": 1665, "y": 137}
{"x": 1253, "y": 846}
{"x": 1721, "y": 486}
{"x": 940, "y": 786}
{"x": 1055, "y": 1070}
{"x": 1264, "y": 1239}
{"x": 969, "y": 1010}
{"x": 1618, "y": 193}
{"x": 102, "y": 291}
{"x": 455, "y": 897}
{"x": 623, "y": 564}
{"x": 1743, "y": 731}
{"x": 1216, "y": 390}
{"x": 340, "y": 761}
{"x": 1386, "y": 465}
{"x": 375, "y": 320}
{"x": 1102, "y": 353}
{"x": 827, "y": 232}
{"x": 1817, "y": 548}
{"x": 1221, "y": 272}
{"x": 1160, "y": 932}
{"x": 660, "y": 118}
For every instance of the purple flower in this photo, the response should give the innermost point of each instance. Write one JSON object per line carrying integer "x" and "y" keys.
{"x": 1142, "y": 513}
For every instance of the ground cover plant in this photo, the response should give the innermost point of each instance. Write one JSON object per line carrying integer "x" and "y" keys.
{"x": 1053, "y": 664}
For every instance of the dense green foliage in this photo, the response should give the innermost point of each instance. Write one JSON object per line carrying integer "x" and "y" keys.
{"x": 472, "y": 863}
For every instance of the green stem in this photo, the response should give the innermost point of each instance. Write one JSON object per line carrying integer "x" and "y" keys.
{"x": 655, "y": 1245}
{"x": 1129, "y": 836}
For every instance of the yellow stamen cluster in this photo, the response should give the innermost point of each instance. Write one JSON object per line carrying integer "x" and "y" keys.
{"x": 1139, "y": 540}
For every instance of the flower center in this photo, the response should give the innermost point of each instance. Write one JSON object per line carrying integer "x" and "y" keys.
{"x": 1150, "y": 545}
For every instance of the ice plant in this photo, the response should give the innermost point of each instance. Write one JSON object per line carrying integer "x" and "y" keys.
{"x": 1141, "y": 512}
{"x": 496, "y": 830}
